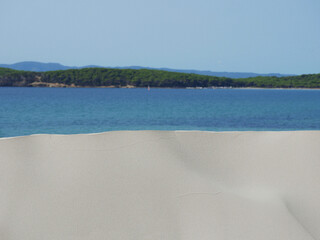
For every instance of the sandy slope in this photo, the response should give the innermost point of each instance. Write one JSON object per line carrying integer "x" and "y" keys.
{"x": 161, "y": 185}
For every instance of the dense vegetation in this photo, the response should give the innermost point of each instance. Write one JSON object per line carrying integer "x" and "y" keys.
{"x": 96, "y": 77}
{"x": 9, "y": 77}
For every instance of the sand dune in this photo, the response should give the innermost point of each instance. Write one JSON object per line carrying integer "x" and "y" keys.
{"x": 161, "y": 185}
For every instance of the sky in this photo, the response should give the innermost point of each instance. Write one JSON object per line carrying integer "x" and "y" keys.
{"x": 262, "y": 36}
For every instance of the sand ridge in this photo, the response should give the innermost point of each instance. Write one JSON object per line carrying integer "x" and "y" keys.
{"x": 161, "y": 185}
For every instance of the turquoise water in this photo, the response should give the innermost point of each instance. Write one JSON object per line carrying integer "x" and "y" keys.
{"x": 25, "y": 111}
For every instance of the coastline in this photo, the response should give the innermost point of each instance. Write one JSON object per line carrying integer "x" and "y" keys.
{"x": 111, "y": 77}
{"x": 131, "y": 184}
{"x": 61, "y": 85}
{"x": 159, "y": 131}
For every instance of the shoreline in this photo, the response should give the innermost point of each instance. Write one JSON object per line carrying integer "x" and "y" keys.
{"x": 59, "y": 85}
{"x": 160, "y": 131}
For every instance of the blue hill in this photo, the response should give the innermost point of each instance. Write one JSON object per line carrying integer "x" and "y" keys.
{"x": 43, "y": 67}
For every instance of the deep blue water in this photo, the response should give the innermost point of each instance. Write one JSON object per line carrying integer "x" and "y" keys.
{"x": 25, "y": 111}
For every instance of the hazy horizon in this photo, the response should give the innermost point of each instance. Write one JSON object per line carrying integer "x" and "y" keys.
{"x": 161, "y": 67}
{"x": 219, "y": 35}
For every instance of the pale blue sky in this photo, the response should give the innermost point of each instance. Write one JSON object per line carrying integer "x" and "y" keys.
{"x": 219, "y": 35}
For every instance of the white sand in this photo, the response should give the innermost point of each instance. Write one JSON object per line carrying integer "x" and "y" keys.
{"x": 152, "y": 185}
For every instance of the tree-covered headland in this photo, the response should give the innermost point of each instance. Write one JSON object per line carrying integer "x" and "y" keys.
{"x": 108, "y": 77}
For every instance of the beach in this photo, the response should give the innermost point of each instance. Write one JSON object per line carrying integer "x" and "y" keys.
{"x": 161, "y": 185}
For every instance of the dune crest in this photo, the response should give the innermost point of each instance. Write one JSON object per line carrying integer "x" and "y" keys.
{"x": 161, "y": 185}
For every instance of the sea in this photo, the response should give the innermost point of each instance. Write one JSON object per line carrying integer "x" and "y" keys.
{"x": 25, "y": 111}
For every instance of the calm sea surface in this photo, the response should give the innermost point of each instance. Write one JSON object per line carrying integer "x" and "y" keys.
{"x": 25, "y": 111}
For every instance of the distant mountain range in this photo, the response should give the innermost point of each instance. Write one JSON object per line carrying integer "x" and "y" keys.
{"x": 43, "y": 67}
